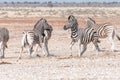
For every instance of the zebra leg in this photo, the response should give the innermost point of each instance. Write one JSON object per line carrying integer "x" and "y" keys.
{"x": 30, "y": 50}
{"x": 3, "y": 50}
{"x": 112, "y": 43}
{"x": 79, "y": 50}
{"x": 45, "y": 48}
{"x": 36, "y": 48}
{"x": 96, "y": 46}
{"x": 84, "y": 49}
{"x": 111, "y": 35}
{"x": 71, "y": 45}
{"x": 20, "y": 56}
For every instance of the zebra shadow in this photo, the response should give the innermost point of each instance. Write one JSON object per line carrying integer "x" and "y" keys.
{"x": 50, "y": 55}
{"x": 1, "y": 63}
{"x": 116, "y": 50}
{"x": 104, "y": 50}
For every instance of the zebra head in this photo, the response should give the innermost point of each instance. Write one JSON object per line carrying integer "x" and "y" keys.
{"x": 70, "y": 23}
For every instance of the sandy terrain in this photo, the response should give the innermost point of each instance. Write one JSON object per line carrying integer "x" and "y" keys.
{"x": 59, "y": 66}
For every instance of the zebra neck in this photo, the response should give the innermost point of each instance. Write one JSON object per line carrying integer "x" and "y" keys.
{"x": 74, "y": 32}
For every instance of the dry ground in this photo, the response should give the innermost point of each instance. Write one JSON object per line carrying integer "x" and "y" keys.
{"x": 59, "y": 66}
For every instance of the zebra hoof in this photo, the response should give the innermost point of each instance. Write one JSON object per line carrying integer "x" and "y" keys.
{"x": 47, "y": 55}
{"x": 98, "y": 41}
{"x": 38, "y": 55}
{"x": 70, "y": 56}
{"x": 2, "y": 57}
{"x": 113, "y": 50}
{"x": 19, "y": 58}
{"x": 80, "y": 55}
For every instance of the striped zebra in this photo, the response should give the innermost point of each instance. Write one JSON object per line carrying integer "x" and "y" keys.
{"x": 45, "y": 30}
{"x": 83, "y": 35}
{"x": 37, "y": 36}
{"x": 4, "y": 37}
{"x": 105, "y": 30}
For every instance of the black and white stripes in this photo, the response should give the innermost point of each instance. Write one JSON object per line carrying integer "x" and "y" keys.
{"x": 105, "y": 30}
{"x": 40, "y": 34}
{"x": 83, "y": 35}
{"x": 30, "y": 38}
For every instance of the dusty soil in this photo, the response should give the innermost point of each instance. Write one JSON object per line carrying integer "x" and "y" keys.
{"x": 59, "y": 66}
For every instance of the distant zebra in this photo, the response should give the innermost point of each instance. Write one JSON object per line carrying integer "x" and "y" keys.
{"x": 105, "y": 30}
{"x": 4, "y": 37}
{"x": 37, "y": 36}
{"x": 83, "y": 35}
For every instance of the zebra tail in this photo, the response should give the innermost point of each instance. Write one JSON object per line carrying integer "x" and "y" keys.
{"x": 24, "y": 39}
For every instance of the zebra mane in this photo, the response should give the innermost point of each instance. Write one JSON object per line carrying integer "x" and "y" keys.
{"x": 73, "y": 19}
{"x": 71, "y": 16}
{"x": 90, "y": 22}
{"x": 40, "y": 22}
{"x": 36, "y": 24}
{"x": 43, "y": 19}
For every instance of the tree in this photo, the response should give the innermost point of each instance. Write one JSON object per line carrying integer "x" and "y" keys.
{"x": 5, "y": 2}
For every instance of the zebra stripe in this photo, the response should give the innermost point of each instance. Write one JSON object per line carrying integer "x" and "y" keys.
{"x": 83, "y": 35}
{"x": 40, "y": 34}
{"x": 29, "y": 38}
{"x": 104, "y": 30}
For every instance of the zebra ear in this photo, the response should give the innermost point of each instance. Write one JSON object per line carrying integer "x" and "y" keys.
{"x": 69, "y": 17}
{"x": 44, "y": 20}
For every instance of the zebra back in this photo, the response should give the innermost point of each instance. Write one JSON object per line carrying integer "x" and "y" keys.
{"x": 103, "y": 30}
{"x": 42, "y": 26}
{"x": 87, "y": 35}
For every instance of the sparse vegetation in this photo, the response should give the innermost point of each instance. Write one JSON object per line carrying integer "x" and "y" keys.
{"x": 57, "y": 4}
{"x": 59, "y": 12}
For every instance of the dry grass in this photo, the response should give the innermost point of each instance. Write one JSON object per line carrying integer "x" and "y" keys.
{"x": 58, "y": 12}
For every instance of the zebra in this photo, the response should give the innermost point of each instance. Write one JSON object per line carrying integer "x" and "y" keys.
{"x": 37, "y": 36}
{"x": 104, "y": 30}
{"x": 45, "y": 30}
{"x": 4, "y": 37}
{"x": 83, "y": 35}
